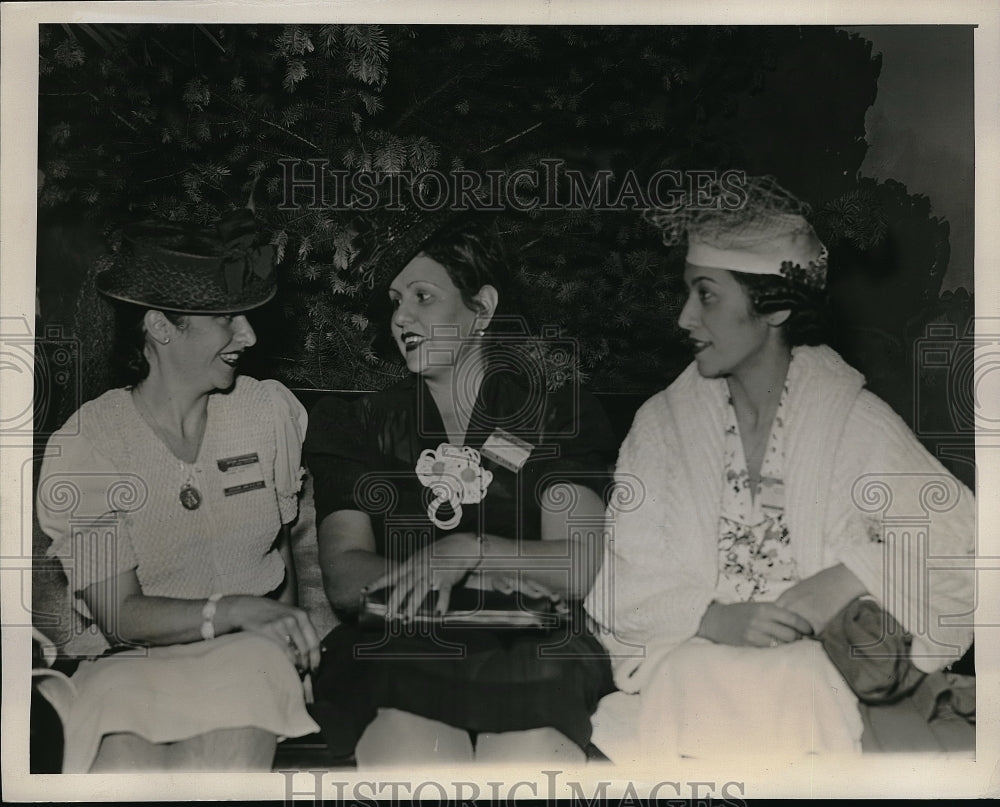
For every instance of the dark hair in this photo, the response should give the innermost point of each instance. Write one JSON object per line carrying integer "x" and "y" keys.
{"x": 130, "y": 341}
{"x": 472, "y": 256}
{"x": 808, "y": 322}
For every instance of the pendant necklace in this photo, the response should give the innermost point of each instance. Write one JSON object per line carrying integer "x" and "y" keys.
{"x": 189, "y": 496}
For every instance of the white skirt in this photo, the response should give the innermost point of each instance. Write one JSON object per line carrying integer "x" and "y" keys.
{"x": 710, "y": 701}
{"x": 180, "y": 691}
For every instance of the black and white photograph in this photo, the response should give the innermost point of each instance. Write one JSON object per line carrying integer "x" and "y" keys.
{"x": 540, "y": 401}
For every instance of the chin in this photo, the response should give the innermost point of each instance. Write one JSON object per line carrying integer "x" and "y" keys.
{"x": 412, "y": 361}
{"x": 227, "y": 381}
{"x": 706, "y": 369}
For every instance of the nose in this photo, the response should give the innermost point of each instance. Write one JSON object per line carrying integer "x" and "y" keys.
{"x": 401, "y": 316}
{"x": 688, "y": 319}
{"x": 243, "y": 331}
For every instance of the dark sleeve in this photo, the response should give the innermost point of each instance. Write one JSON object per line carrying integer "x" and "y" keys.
{"x": 579, "y": 446}
{"x": 336, "y": 452}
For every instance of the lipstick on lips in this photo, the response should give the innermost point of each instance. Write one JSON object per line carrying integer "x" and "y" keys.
{"x": 410, "y": 340}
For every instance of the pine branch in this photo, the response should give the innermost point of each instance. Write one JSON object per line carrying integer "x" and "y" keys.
{"x": 264, "y": 120}
{"x": 424, "y": 101}
{"x": 165, "y": 176}
{"x": 512, "y": 138}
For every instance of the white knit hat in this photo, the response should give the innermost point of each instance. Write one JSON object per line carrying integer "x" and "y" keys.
{"x": 758, "y": 228}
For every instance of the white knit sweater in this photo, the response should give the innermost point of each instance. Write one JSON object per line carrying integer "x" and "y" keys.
{"x": 859, "y": 490}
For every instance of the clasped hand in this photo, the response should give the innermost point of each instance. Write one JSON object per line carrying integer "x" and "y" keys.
{"x": 752, "y": 624}
{"x": 802, "y": 610}
{"x": 285, "y": 625}
{"x": 818, "y": 598}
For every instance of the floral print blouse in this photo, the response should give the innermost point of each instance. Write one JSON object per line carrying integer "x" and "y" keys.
{"x": 754, "y": 551}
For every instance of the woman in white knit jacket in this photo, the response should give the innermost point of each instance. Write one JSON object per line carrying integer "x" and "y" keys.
{"x": 761, "y": 493}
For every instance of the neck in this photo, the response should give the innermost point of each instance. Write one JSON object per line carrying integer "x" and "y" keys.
{"x": 455, "y": 391}
{"x": 176, "y": 408}
{"x": 756, "y": 389}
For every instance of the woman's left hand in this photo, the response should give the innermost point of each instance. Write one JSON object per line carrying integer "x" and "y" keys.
{"x": 437, "y": 567}
{"x": 819, "y": 598}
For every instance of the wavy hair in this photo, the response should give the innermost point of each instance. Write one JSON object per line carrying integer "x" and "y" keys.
{"x": 128, "y": 348}
{"x": 809, "y": 320}
{"x": 472, "y": 257}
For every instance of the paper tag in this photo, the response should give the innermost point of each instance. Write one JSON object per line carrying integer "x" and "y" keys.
{"x": 507, "y": 449}
{"x": 453, "y": 452}
{"x": 242, "y": 474}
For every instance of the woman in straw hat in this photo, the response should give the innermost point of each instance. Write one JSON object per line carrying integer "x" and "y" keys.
{"x": 168, "y": 503}
{"x": 469, "y": 472}
{"x": 760, "y": 478}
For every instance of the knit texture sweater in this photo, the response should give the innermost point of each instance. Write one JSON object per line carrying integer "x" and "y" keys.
{"x": 860, "y": 490}
{"x": 108, "y": 495}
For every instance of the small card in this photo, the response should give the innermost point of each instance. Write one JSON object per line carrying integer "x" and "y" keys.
{"x": 242, "y": 473}
{"x": 453, "y": 452}
{"x": 507, "y": 449}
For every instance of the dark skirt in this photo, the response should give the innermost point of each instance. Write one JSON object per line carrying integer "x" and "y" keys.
{"x": 476, "y": 679}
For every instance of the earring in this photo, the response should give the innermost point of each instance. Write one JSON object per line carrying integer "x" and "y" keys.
{"x": 479, "y": 332}
{"x": 166, "y": 340}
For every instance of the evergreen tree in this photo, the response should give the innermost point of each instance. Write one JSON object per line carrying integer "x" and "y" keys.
{"x": 186, "y": 121}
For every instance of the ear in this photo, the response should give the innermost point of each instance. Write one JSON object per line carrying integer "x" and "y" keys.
{"x": 158, "y": 326}
{"x": 486, "y": 305}
{"x": 777, "y": 318}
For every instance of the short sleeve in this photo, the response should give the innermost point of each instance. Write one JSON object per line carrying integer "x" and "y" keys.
{"x": 290, "y": 426}
{"x": 83, "y": 505}
{"x": 579, "y": 441}
{"x": 336, "y": 454}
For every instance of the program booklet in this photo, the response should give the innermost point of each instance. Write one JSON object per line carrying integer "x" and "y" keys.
{"x": 473, "y": 605}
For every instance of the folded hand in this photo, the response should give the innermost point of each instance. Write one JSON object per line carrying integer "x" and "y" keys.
{"x": 285, "y": 625}
{"x": 752, "y": 624}
{"x": 820, "y": 597}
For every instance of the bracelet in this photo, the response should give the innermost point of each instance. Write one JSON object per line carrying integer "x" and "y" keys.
{"x": 208, "y": 617}
{"x": 483, "y": 543}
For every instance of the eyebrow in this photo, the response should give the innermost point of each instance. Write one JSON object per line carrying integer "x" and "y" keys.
{"x": 414, "y": 282}
{"x": 704, "y": 278}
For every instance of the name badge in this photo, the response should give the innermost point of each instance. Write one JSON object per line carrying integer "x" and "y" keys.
{"x": 448, "y": 451}
{"x": 507, "y": 449}
{"x": 242, "y": 473}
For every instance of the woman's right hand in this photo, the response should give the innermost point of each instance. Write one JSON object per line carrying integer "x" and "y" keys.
{"x": 752, "y": 624}
{"x": 285, "y": 625}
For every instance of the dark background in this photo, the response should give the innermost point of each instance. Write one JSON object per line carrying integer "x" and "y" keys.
{"x": 872, "y": 126}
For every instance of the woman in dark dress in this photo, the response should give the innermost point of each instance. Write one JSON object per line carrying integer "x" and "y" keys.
{"x": 467, "y": 468}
